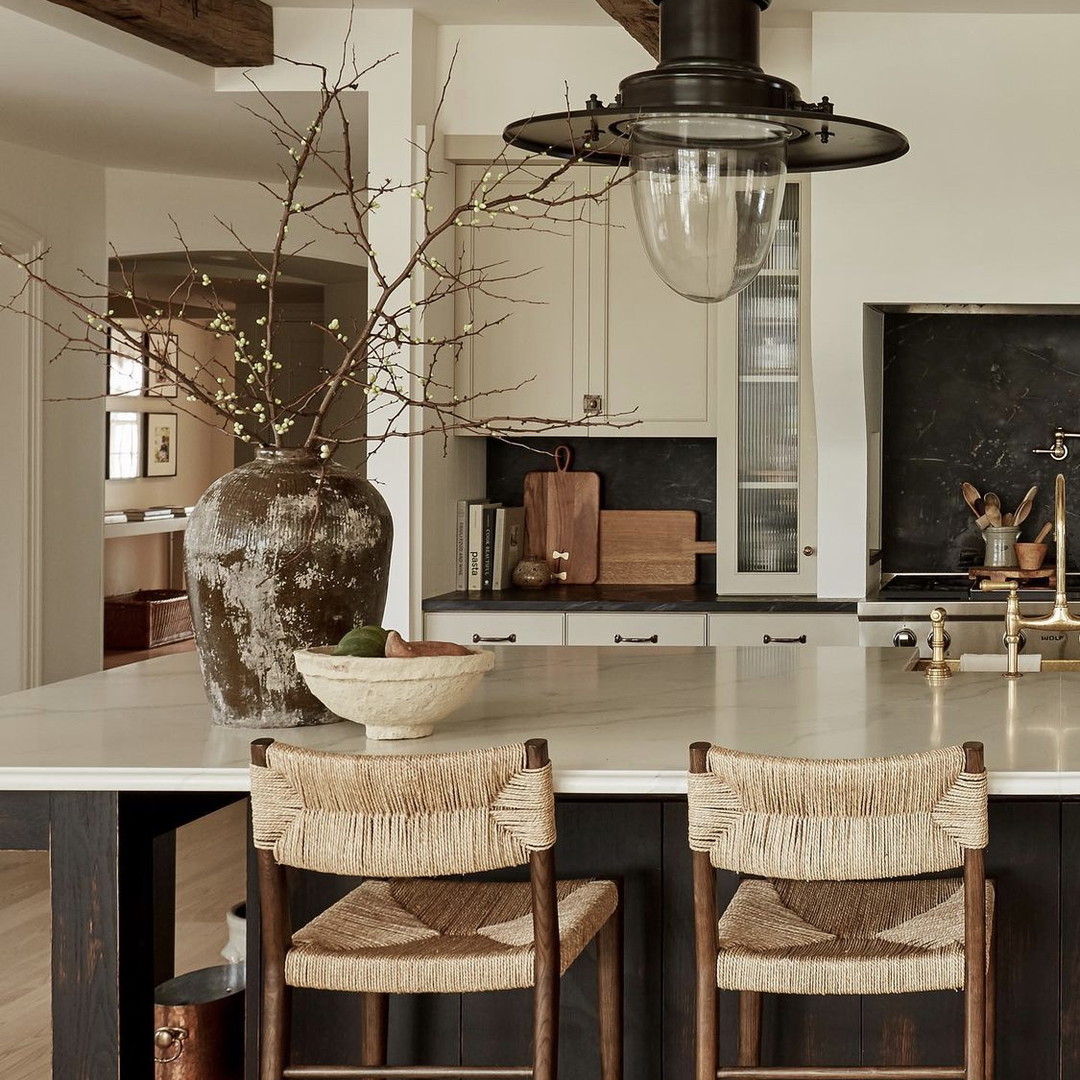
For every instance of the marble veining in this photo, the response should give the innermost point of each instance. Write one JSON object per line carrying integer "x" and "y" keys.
{"x": 618, "y": 721}
{"x": 968, "y": 397}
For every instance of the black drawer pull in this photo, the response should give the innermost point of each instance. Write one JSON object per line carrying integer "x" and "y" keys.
{"x": 768, "y": 640}
{"x": 511, "y": 638}
{"x": 651, "y": 640}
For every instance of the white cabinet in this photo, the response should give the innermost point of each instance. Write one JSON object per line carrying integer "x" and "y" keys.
{"x": 766, "y": 478}
{"x": 783, "y": 628}
{"x": 653, "y": 353}
{"x": 634, "y": 628}
{"x": 592, "y": 321}
{"x": 495, "y": 627}
{"x": 530, "y": 357}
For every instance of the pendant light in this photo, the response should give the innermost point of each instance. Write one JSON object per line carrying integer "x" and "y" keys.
{"x": 709, "y": 139}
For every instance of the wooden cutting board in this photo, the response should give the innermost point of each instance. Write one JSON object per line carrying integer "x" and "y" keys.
{"x": 562, "y": 520}
{"x": 650, "y": 547}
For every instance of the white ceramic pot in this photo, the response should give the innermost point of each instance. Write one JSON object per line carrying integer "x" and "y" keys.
{"x": 393, "y": 697}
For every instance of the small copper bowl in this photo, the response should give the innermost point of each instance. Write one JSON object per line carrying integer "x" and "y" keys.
{"x": 1030, "y": 556}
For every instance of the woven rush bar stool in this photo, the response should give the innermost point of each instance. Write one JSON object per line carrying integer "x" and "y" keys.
{"x": 404, "y": 823}
{"x": 828, "y": 904}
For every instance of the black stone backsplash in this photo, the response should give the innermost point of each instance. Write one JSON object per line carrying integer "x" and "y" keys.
{"x": 968, "y": 397}
{"x": 635, "y": 474}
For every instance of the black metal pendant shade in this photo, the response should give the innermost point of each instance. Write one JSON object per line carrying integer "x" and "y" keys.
{"x": 709, "y": 66}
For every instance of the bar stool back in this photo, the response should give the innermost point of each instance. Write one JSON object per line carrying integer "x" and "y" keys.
{"x": 401, "y": 822}
{"x": 828, "y": 905}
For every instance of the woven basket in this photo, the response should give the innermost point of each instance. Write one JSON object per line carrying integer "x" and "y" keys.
{"x": 146, "y": 619}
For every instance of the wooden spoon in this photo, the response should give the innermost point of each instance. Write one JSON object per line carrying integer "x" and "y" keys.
{"x": 1022, "y": 512}
{"x": 1044, "y": 532}
{"x": 993, "y": 508}
{"x": 970, "y": 495}
{"x": 1007, "y": 519}
{"x": 980, "y": 511}
{"x": 1027, "y": 498}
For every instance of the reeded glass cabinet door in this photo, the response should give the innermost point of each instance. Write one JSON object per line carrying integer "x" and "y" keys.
{"x": 765, "y": 468}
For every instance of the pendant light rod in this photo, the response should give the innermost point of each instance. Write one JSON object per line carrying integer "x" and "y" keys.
{"x": 691, "y": 31}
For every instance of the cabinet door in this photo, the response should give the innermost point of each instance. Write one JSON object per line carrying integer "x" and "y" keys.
{"x": 634, "y": 628}
{"x": 495, "y": 627}
{"x": 530, "y": 358}
{"x": 766, "y": 481}
{"x": 652, "y": 352}
{"x": 783, "y": 628}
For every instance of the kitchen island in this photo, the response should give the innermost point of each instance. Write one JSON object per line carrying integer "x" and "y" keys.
{"x": 101, "y": 769}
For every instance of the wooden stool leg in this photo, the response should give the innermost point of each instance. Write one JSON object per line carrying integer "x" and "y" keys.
{"x": 975, "y": 1028}
{"x": 749, "y": 1028}
{"x": 373, "y": 1015}
{"x": 609, "y": 950}
{"x": 276, "y": 1022}
{"x": 991, "y": 1015}
{"x": 546, "y": 1030}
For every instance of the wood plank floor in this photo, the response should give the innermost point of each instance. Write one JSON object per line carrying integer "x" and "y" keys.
{"x": 210, "y": 856}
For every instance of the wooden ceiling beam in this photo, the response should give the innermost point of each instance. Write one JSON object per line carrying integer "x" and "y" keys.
{"x": 640, "y": 19}
{"x": 221, "y": 33}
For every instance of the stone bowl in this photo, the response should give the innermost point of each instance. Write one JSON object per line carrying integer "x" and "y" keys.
{"x": 393, "y": 697}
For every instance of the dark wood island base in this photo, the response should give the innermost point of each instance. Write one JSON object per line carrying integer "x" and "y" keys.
{"x": 1034, "y": 859}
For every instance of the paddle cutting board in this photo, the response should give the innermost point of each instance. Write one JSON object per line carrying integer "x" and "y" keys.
{"x": 562, "y": 520}
{"x": 650, "y": 547}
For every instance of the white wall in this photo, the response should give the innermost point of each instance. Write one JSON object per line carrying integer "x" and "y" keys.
{"x": 980, "y": 210}
{"x": 63, "y": 202}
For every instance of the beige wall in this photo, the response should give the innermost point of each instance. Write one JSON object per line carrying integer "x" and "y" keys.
{"x": 204, "y": 452}
{"x": 63, "y": 202}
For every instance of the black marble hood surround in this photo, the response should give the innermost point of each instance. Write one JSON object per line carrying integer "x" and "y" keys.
{"x": 969, "y": 397}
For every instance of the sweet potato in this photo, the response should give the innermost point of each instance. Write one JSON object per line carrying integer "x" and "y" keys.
{"x": 397, "y": 646}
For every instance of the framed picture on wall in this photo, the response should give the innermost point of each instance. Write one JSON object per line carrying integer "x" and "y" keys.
{"x": 162, "y": 355}
{"x": 123, "y": 445}
{"x": 127, "y": 364}
{"x": 160, "y": 444}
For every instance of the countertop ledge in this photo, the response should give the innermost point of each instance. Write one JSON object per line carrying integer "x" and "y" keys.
{"x": 622, "y": 783}
{"x": 694, "y": 598}
{"x": 618, "y": 721}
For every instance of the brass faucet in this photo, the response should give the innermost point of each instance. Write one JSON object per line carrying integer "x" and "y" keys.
{"x": 1061, "y": 618}
{"x": 938, "y": 670}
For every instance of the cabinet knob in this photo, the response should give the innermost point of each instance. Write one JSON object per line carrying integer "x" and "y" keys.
{"x": 808, "y": 551}
{"x": 592, "y": 404}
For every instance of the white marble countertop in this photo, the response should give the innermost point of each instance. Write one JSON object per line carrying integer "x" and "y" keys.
{"x": 618, "y": 720}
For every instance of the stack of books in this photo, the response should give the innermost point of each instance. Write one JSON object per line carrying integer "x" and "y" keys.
{"x": 150, "y": 513}
{"x": 490, "y": 539}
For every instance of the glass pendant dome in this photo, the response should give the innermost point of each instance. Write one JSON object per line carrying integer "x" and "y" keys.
{"x": 707, "y": 193}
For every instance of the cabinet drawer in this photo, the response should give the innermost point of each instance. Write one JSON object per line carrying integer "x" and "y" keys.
{"x": 495, "y": 627}
{"x": 634, "y": 628}
{"x": 783, "y": 628}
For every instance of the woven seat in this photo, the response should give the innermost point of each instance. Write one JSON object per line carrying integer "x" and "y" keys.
{"x": 830, "y": 937}
{"x": 449, "y": 937}
{"x": 412, "y": 825}
{"x": 830, "y": 903}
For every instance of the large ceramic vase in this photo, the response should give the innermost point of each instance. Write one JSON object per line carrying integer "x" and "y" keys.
{"x": 282, "y": 553}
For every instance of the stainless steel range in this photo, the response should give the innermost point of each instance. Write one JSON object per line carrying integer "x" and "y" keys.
{"x": 899, "y": 614}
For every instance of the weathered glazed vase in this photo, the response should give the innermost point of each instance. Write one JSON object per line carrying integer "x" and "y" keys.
{"x": 285, "y": 552}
